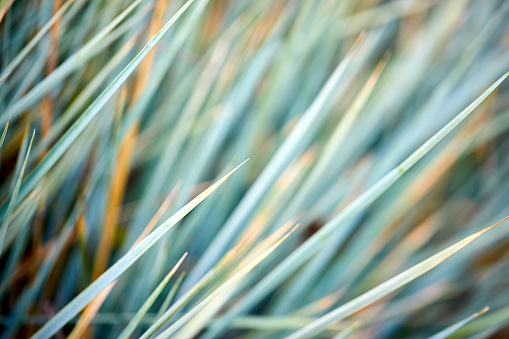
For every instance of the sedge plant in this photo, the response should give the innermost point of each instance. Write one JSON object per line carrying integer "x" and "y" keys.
{"x": 254, "y": 169}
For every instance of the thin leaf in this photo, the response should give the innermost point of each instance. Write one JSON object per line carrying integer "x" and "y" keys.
{"x": 35, "y": 40}
{"x": 384, "y": 289}
{"x": 14, "y": 197}
{"x": 205, "y": 310}
{"x": 5, "y": 132}
{"x": 91, "y": 48}
{"x": 346, "y": 333}
{"x": 169, "y": 298}
{"x": 80, "y": 301}
{"x": 292, "y": 146}
{"x": 205, "y": 280}
{"x": 313, "y": 244}
{"x": 493, "y": 320}
{"x": 126, "y": 333}
{"x": 93, "y": 110}
{"x": 446, "y": 333}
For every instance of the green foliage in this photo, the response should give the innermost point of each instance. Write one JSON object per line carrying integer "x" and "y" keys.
{"x": 376, "y": 132}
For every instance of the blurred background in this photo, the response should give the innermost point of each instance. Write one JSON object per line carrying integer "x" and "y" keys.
{"x": 325, "y": 97}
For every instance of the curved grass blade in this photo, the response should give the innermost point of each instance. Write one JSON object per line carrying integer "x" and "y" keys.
{"x": 90, "y": 312}
{"x": 35, "y": 40}
{"x": 446, "y": 333}
{"x": 206, "y": 309}
{"x": 91, "y": 48}
{"x": 65, "y": 119}
{"x": 493, "y": 320}
{"x": 384, "y": 289}
{"x": 5, "y": 132}
{"x": 313, "y": 244}
{"x": 88, "y": 294}
{"x": 212, "y": 274}
{"x": 117, "y": 184}
{"x": 85, "y": 119}
{"x": 346, "y": 333}
{"x": 126, "y": 333}
{"x": 170, "y": 296}
{"x": 5, "y": 76}
{"x": 319, "y": 171}
{"x": 26, "y": 300}
{"x": 14, "y": 197}
{"x": 294, "y": 144}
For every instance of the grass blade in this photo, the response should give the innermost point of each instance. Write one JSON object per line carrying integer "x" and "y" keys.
{"x": 35, "y": 40}
{"x": 316, "y": 241}
{"x": 128, "y": 331}
{"x": 346, "y": 333}
{"x": 80, "y": 301}
{"x": 5, "y": 132}
{"x": 14, "y": 197}
{"x": 384, "y": 289}
{"x": 204, "y": 311}
{"x": 169, "y": 298}
{"x": 93, "y": 110}
{"x": 446, "y": 333}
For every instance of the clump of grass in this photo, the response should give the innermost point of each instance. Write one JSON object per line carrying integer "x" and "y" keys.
{"x": 376, "y": 132}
